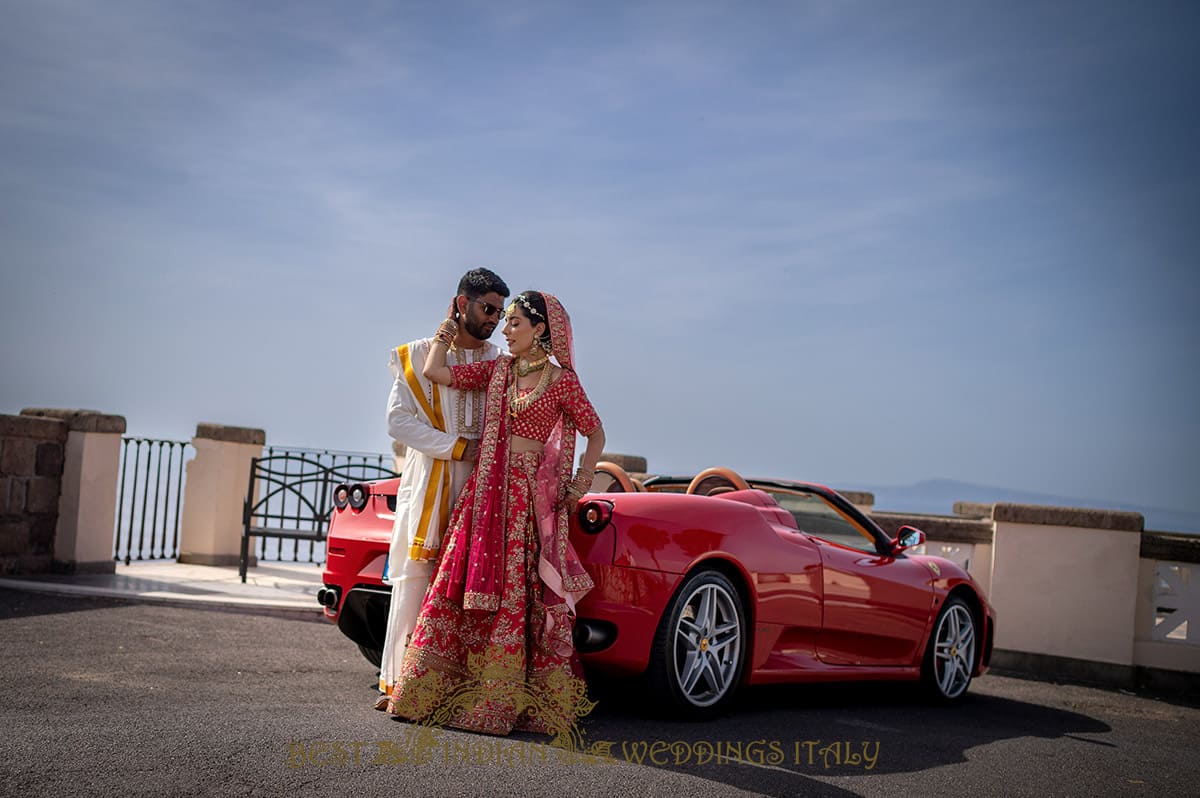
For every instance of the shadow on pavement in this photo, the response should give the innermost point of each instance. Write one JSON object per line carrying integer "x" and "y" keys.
{"x": 19, "y": 604}
{"x": 23, "y": 604}
{"x": 772, "y": 737}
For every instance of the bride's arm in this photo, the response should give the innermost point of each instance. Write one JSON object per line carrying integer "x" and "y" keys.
{"x": 595, "y": 447}
{"x": 435, "y": 368}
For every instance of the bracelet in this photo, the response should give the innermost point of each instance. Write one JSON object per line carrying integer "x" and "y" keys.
{"x": 446, "y": 332}
{"x": 583, "y": 480}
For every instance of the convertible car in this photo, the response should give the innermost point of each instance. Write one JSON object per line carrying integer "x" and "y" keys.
{"x": 707, "y": 583}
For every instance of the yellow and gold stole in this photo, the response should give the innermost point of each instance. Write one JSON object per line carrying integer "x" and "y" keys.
{"x": 435, "y": 509}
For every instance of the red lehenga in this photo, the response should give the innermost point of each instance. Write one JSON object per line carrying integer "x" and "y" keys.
{"x": 492, "y": 648}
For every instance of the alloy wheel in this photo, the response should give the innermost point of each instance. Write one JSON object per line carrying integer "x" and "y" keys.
{"x": 707, "y": 644}
{"x": 954, "y": 650}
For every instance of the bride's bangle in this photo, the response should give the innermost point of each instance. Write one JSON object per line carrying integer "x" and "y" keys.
{"x": 446, "y": 332}
{"x": 583, "y": 480}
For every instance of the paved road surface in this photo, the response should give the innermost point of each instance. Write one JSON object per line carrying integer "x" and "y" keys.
{"x": 103, "y": 697}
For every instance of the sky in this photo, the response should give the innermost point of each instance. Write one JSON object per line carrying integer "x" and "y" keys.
{"x": 844, "y": 242}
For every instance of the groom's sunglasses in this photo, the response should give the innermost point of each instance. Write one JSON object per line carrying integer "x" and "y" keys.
{"x": 488, "y": 308}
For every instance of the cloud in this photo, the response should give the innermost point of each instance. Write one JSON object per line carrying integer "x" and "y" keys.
{"x": 884, "y": 243}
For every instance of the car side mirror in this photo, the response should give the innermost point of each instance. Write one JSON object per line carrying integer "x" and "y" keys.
{"x": 907, "y": 537}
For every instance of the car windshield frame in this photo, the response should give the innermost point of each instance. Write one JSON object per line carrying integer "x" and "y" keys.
{"x": 866, "y": 537}
{"x": 874, "y": 539}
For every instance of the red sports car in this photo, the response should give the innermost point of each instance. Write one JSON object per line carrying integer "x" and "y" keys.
{"x": 707, "y": 583}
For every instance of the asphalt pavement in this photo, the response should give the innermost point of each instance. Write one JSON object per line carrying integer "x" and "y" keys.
{"x": 150, "y": 694}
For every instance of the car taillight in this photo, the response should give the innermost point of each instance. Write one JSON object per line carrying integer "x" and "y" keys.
{"x": 594, "y": 515}
{"x": 358, "y": 496}
{"x": 341, "y": 496}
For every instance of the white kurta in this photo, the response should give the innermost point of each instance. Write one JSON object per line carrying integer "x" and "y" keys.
{"x": 423, "y": 502}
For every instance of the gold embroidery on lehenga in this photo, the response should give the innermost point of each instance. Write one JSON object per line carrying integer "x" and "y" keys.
{"x": 493, "y": 687}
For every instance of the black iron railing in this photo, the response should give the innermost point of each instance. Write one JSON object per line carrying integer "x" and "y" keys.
{"x": 149, "y": 499}
{"x": 296, "y": 492}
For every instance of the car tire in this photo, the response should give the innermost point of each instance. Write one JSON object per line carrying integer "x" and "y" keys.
{"x": 373, "y": 655}
{"x": 700, "y": 647}
{"x": 952, "y": 652}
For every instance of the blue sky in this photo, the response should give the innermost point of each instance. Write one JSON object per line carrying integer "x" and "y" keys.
{"x": 849, "y": 242}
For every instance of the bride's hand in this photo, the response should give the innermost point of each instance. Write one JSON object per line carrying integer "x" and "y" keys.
{"x": 570, "y": 497}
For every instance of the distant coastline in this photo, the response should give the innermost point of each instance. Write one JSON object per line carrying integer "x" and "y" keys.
{"x": 937, "y": 497}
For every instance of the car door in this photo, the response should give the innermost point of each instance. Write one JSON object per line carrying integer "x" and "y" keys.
{"x": 874, "y": 607}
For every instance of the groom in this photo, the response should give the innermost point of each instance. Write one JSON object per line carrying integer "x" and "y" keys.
{"x": 440, "y": 427}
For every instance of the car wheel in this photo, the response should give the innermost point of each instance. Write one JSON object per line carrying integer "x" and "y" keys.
{"x": 696, "y": 660}
{"x": 950, "y": 656}
{"x": 373, "y": 655}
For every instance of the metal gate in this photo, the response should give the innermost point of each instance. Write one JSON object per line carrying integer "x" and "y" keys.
{"x": 301, "y": 484}
{"x": 150, "y": 491}
{"x": 149, "y": 499}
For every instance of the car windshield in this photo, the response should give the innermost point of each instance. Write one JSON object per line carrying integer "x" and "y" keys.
{"x": 817, "y": 517}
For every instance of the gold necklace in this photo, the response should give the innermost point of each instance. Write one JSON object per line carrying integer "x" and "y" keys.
{"x": 525, "y": 368}
{"x": 518, "y": 404}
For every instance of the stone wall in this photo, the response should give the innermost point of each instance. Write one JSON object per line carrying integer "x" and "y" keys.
{"x": 32, "y": 453}
{"x": 943, "y": 528}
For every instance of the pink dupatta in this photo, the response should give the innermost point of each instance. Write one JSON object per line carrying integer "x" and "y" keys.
{"x": 564, "y": 579}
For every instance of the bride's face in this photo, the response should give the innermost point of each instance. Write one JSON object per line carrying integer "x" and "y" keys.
{"x": 519, "y": 333}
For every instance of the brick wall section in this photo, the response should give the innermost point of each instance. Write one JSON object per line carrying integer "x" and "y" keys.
{"x": 31, "y": 468}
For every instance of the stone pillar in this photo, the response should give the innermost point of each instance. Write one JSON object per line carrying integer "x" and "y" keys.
{"x": 87, "y": 509}
{"x": 863, "y": 500}
{"x": 1065, "y": 582}
{"x": 217, "y": 480}
{"x": 31, "y": 466}
{"x": 85, "y": 496}
{"x": 632, "y": 463}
